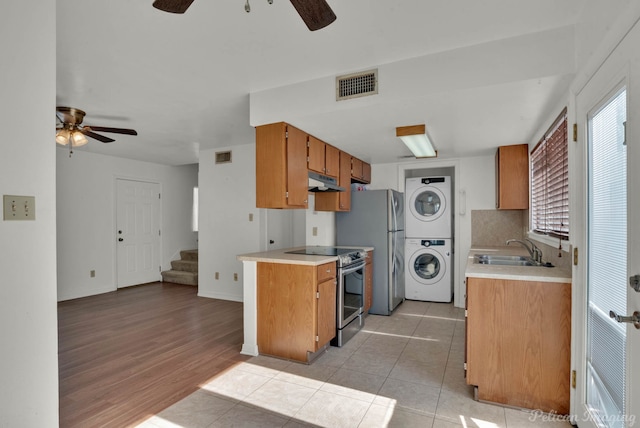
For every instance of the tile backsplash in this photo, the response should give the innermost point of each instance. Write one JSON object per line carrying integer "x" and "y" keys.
{"x": 494, "y": 227}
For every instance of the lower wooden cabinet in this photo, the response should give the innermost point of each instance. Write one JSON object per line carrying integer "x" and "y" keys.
{"x": 368, "y": 282}
{"x": 519, "y": 342}
{"x": 296, "y": 310}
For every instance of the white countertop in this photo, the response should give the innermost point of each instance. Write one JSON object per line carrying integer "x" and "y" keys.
{"x": 281, "y": 256}
{"x": 517, "y": 273}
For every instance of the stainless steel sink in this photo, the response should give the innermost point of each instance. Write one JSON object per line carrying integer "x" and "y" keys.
{"x": 490, "y": 259}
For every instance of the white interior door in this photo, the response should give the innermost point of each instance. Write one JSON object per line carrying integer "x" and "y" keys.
{"x": 137, "y": 232}
{"x": 608, "y": 203}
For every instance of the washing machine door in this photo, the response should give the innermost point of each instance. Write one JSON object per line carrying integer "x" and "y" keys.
{"x": 428, "y": 203}
{"x": 427, "y": 266}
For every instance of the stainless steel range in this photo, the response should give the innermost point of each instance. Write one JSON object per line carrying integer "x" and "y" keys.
{"x": 350, "y": 289}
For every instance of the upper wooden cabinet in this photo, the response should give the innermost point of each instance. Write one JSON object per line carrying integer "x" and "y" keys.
{"x": 284, "y": 157}
{"x": 360, "y": 171}
{"x": 338, "y": 201}
{"x": 512, "y": 177}
{"x": 366, "y": 173}
{"x": 281, "y": 166}
{"x": 323, "y": 158}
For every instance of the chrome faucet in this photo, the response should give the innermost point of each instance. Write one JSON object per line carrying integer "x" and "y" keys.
{"x": 534, "y": 251}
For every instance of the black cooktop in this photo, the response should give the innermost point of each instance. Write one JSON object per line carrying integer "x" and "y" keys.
{"x": 323, "y": 251}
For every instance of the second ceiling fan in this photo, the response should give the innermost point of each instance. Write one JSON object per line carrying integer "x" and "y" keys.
{"x": 315, "y": 13}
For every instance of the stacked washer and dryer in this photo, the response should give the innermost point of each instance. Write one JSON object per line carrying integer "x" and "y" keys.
{"x": 428, "y": 242}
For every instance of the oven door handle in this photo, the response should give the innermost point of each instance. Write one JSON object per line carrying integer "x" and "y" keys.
{"x": 351, "y": 268}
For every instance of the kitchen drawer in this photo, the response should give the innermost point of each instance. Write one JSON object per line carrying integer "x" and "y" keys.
{"x": 326, "y": 271}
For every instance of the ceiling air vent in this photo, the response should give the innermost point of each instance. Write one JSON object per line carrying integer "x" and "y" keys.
{"x": 223, "y": 157}
{"x": 357, "y": 85}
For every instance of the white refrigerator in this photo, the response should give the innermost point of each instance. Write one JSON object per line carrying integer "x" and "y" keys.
{"x": 376, "y": 220}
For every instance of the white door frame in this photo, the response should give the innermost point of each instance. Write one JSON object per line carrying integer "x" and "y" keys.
{"x": 115, "y": 220}
{"x": 459, "y": 197}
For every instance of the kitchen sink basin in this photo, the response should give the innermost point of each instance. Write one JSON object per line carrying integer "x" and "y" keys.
{"x": 490, "y": 259}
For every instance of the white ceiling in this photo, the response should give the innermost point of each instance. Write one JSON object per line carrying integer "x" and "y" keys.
{"x": 479, "y": 74}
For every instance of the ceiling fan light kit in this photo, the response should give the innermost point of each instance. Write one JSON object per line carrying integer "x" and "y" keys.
{"x": 76, "y": 138}
{"x": 71, "y": 132}
{"x": 316, "y": 14}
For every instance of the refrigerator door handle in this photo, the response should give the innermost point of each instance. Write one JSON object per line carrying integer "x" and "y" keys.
{"x": 392, "y": 268}
{"x": 393, "y": 201}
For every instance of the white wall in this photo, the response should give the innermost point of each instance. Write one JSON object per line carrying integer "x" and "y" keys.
{"x": 28, "y": 320}
{"x": 86, "y": 216}
{"x": 385, "y": 176}
{"x": 323, "y": 221}
{"x": 227, "y": 197}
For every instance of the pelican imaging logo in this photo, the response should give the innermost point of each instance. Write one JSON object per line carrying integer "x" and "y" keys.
{"x": 540, "y": 416}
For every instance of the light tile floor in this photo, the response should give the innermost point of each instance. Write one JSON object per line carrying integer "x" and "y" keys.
{"x": 405, "y": 370}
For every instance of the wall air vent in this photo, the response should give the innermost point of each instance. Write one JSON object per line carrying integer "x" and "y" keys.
{"x": 223, "y": 157}
{"x": 357, "y": 85}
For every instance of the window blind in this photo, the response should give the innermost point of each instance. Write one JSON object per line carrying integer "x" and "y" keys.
{"x": 550, "y": 182}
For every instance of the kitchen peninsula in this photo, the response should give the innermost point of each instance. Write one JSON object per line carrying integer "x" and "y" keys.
{"x": 290, "y": 300}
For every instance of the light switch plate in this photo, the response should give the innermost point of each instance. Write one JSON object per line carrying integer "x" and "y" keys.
{"x": 19, "y": 207}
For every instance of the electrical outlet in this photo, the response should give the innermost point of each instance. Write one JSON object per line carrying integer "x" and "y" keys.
{"x": 250, "y": 216}
{"x": 92, "y": 273}
{"x": 314, "y": 231}
{"x": 19, "y": 207}
{"x": 235, "y": 276}
{"x": 217, "y": 275}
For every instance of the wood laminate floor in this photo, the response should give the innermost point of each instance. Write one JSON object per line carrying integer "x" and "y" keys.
{"x": 126, "y": 355}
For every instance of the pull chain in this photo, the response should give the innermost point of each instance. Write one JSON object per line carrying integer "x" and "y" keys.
{"x": 559, "y": 247}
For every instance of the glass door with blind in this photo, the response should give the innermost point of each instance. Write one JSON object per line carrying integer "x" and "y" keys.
{"x": 607, "y": 262}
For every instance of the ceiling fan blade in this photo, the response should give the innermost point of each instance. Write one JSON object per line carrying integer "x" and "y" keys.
{"x": 173, "y": 6}
{"x": 98, "y": 137}
{"x": 315, "y": 13}
{"x": 114, "y": 130}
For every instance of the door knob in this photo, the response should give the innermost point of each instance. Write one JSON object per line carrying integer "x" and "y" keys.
{"x": 119, "y": 232}
{"x": 633, "y": 319}
{"x": 120, "y": 239}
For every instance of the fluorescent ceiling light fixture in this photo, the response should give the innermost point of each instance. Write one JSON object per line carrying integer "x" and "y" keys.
{"x": 416, "y": 139}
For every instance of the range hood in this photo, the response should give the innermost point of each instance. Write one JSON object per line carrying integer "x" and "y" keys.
{"x": 323, "y": 183}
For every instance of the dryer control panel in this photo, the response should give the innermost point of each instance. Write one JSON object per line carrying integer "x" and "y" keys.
{"x": 432, "y": 242}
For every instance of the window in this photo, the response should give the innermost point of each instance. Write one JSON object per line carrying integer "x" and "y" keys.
{"x": 550, "y": 182}
{"x": 194, "y": 213}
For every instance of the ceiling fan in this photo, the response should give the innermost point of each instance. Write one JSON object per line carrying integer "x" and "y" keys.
{"x": 71, "y": 132}
{"x": 315, "y": 13}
